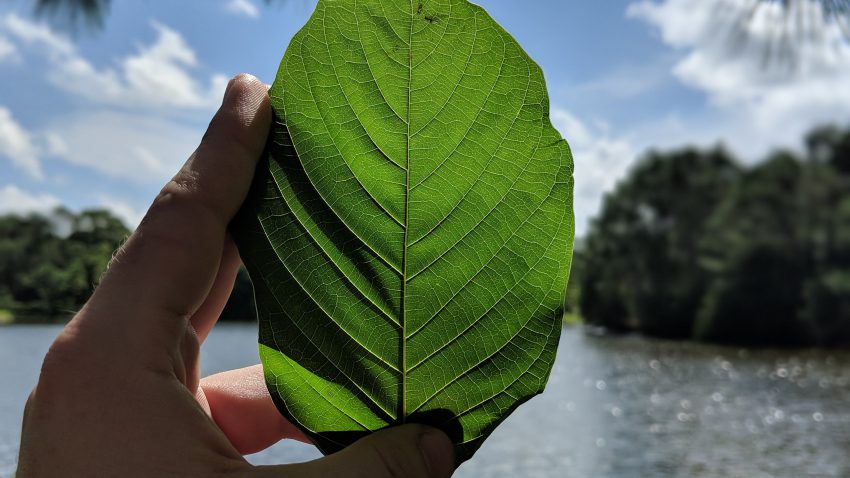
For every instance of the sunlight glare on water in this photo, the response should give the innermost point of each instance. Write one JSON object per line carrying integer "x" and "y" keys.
{"x": 616, "y": 407}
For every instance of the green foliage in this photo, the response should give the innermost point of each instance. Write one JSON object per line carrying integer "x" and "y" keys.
{"x": 642, "y": 268}
{"x": 49, "y": 264}
{"x": 758, "y": 256}
{"x": 409, "y": 237}
{"x": 241, "y": 306}
{"x": 572, "y": 301}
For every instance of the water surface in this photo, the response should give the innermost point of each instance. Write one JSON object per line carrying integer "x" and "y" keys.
{"x": 616, "y": 407}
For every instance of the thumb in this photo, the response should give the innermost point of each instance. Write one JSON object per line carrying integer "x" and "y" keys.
{"x": 414, "y": 451}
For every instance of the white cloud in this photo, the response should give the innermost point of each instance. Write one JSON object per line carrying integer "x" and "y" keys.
{"x": 772, "y": 70}
{"x": 754, "y": 105}
{"x": 160, "y": 72}
{"x": 139, "y": 148}
{"x": 8, "y": 51}
{"x": 244, "y": 8}
{"x": 156, "y": 76}
{"x": 139, "y": 118}
{"x": 130, "y": 214}
{"x": 601, "y": 160}
{"x": 55, "y": 145}
{"x": 13, "y": 200}
{"x": 18, "y": 145}
{"x": 32, "y": 33}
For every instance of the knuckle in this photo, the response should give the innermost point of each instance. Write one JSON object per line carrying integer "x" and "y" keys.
{"x": 190, "y": 345}
{"x": 186, "y": 368}
{"x": 190, "y": 195}
{"x": 169, "y": 198}
{"x": 176, "y": 194}
{"x": 175, "y": 212}
{"x": 29, "y": 404}
{"x": 63, "y": 352}
{"x": 57, "y": 371}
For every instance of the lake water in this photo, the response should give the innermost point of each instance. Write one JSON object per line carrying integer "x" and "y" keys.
{"x": 616, "y": 407}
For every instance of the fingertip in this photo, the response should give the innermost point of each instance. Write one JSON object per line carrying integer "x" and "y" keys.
{"x": 406, "y": 450}
{"x": 240, "y": 404}
{"x": 438, "y": 452}
{"x": 246, "y": 89}
{"x": 244, "y": 118}
{"x": 241, "y": 85}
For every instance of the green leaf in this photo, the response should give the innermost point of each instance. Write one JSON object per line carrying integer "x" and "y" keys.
{"x": 410, "y": 235}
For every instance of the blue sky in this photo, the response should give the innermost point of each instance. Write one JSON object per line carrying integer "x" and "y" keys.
{"x": 103, "y": 119}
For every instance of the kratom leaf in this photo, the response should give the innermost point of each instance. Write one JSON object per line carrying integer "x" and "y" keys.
{"x": 409, "y": 236}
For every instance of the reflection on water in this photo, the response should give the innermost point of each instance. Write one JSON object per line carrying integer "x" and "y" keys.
{"x": 638, "y": 408}
{"x": 616, "y": 407}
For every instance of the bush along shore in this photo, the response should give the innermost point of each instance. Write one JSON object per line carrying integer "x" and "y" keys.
{"x": 50, "y": 263}
{"x": 694, "y": 245}
{"x": 690, "y": 245}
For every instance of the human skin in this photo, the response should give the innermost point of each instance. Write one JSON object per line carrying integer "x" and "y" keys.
{"x": 120, "y": 393}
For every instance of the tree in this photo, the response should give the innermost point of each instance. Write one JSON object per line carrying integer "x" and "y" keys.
{"x": 757, "y": 253}
{"x": 240, "y": 306}
{"x": 690, "y": 245}
{"x": 642, "y": 269}
{"x": 49, "y": 264}
{"x": 827, "y": 291}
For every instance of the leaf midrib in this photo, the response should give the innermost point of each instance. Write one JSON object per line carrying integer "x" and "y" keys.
{"x": 402, "y": 415}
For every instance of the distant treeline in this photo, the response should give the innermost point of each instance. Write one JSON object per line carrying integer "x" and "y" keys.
{"x": 694, "y": 245}
{"x": 49, "y": 265}
{"x": 690, "y": 245}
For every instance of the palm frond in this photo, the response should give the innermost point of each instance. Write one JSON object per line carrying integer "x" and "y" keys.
{"x": 73, "y": 15}
{"x": 781, "y": 34}
{"x": 78, "y": 15}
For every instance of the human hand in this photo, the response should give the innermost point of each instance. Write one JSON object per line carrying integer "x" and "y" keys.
{"x": 120, "y": 393}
